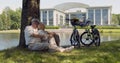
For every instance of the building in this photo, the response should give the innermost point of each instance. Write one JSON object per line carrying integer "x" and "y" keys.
{"x": 99, "y": 15}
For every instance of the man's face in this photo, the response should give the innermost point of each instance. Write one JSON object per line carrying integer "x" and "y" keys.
{"x": 35, "y": 24}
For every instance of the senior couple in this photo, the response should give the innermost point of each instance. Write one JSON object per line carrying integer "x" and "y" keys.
{"x": 38, "y": 39}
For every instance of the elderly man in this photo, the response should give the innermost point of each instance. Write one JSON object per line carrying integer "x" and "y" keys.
{"x": 31, "y": 33}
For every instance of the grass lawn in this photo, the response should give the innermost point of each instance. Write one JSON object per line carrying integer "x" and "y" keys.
{"x": 109, "y": 30}
{"x": 10, "y": 31}
{"x": 108, "y": 52}
{"x": 58, "y": 30}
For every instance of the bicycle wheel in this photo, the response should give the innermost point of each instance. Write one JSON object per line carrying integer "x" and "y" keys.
{"x": 96, "y": 36}
{"x": 75, "y": 39}
{"x": 86, "y": 38}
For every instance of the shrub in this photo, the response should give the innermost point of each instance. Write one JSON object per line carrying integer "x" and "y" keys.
{"x": 51, "y": 27}
{"x": 108, "y": 27}
{"x": 102, "y": 27}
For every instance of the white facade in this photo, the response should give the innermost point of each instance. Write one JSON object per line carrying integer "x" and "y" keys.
{"x": 57, "y": 16}
{"x": 104, "y": 15}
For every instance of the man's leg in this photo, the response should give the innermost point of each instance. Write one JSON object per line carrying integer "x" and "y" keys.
{"x": 39, "y": 46}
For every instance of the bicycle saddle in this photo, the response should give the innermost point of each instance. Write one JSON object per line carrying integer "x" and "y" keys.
{"x": 93, "y": 26}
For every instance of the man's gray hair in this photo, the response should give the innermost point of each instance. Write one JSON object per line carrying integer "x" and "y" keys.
{"x": 35, "y": 20}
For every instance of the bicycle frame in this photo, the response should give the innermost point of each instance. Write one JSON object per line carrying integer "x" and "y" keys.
{"x": 90, "y": 32}
{"x": 75, "y": 37}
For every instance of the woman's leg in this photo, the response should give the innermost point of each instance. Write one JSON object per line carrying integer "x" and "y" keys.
{"x": 53, "y": 46}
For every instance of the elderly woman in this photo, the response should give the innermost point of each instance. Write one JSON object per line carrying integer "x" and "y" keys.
{"x": 34, "y": 37}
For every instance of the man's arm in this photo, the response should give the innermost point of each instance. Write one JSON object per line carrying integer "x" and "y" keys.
{"x": 37, "y": 35}
{"x": 29, "y": 32}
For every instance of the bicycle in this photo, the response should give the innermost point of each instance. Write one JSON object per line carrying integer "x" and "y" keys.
{"x": 89, "y": 36}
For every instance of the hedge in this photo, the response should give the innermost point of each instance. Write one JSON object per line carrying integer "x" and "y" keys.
{"x": 102, "y": 27}
{"x": 51, "y": 27}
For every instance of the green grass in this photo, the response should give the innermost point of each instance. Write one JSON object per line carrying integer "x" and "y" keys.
{"x": 10, "y": 31}
{"x": 108, "y": 27}
{"x": 52, "y": 27}
{"x": 109, "y": 30}
{"x": 55, "y": 28}
{"x": 108, "y": 52}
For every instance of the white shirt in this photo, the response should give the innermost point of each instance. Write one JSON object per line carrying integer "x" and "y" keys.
{"x": 29, "y": 30}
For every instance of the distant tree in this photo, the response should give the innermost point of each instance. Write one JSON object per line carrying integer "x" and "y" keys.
{"x": 14, "y": 25}
{"x": 1, "y": 23}
{"x": 15, "y": 17}
{"x": 30, "y": 9}
{"x": 18, "y": 12}
{"x": 9, "y": 18}
{"x": 116, "y": 19}
{"x": 5, "y": 18}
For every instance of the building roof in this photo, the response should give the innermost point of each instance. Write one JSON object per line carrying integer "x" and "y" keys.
{"x": 100, "y": 7}
{"x": 70, "y": 5}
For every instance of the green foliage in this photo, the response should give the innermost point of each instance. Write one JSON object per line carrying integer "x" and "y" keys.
{"x": 10, "y": 18}
{"x": 109, "y": 30}
{"x": 115, "y": 19}
{"x": 108, "y": 52}
{"x": 14, "y": 26}
{"x": 108, "y": 27}
{"x": 52, "y": 27}
{"x": 101, "y": 27}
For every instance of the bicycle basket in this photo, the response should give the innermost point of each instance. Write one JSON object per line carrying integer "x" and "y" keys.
{"x": 77, "y": 23}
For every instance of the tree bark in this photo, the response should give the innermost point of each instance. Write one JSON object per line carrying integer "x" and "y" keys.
{"x": 30, "y": 9}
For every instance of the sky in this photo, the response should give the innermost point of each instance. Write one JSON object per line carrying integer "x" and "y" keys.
{"x": 13, "y": 4}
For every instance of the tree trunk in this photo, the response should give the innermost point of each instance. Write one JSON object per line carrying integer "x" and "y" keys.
{"x": 30, "y": 9}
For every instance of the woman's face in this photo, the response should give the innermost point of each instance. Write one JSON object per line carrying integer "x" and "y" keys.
{"x": 41, "y": 26}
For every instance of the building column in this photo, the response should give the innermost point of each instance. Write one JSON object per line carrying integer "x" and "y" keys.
{"x": 47, "y": 17}
{"x": 87, "y": 15}
{"x": 101, "y": 17}
{"x": 109, "y": 12}
{"x": 54, "y": 18}
{"x": 64, "y": 20}
{"x": 94, "y": 16}
{"x": 69, "y": 20}
{"x": 41, "y": 16}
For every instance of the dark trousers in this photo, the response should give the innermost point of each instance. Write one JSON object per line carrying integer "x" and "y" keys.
{"x": 57, "y": 39}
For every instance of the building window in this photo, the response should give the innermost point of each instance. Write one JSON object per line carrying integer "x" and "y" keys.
{"x": 67, "y": 19}
{"x": 61, "y": 19}
{"x": 78, "y": 15}
{"x": 97, "y": 16}
{"x": 50, "y": 18}
{"x": 105, "y": 16}
{"x": 45, "y": 17}
{"x": 73, "y": 16}
{"x": 91, "y": 15}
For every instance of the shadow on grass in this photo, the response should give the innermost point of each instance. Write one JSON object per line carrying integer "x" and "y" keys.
{"x": 108, "y": 52}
